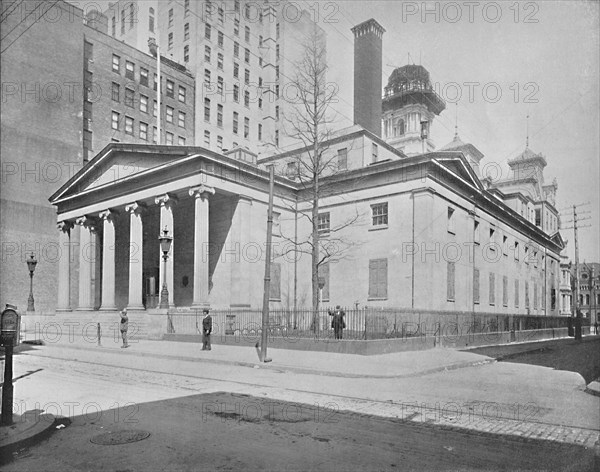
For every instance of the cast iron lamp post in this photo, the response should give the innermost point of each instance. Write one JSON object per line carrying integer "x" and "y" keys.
{"x": 165, "y": 246}
{"x": 31, "y": 263}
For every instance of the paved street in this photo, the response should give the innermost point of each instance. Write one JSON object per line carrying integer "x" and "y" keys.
{"x": 444, "y": 418}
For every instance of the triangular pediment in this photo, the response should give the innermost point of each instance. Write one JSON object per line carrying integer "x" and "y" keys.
{"x": 119, "y": 163}
{"x": 458, "y": 166}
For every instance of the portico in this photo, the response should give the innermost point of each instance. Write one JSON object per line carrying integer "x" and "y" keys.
{"x": 110, "y": 223}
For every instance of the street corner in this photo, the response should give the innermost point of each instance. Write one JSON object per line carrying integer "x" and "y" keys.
{"x": 27, "y": 430}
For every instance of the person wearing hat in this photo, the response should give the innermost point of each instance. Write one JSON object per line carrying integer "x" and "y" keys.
{"x": 206, "y": 330}
{"x": 337, "y": 323}
{"x": 124, "y": 326}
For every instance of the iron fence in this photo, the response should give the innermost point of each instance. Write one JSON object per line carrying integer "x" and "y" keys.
{"x": 361, "y": 323}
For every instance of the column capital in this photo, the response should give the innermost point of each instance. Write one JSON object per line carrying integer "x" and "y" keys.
{"x": 108, "y": 215}
{"x": 87, "y": 222}
{"x": 166, "y": 200}
{"x": 201, "y": 191}
{"x": 64, "y": 226}
{"x": 135, "y": 207}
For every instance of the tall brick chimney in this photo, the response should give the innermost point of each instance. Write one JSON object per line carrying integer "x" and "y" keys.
{"x": 367, "y": 75}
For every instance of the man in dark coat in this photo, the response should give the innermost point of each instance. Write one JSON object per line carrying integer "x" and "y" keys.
{"x": 206, "y": 330}
{"x": 337, "y": 323}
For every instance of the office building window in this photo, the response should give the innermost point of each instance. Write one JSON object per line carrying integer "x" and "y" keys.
{"x": 220, "y": 61}
{"x": 379, "y": 213}
{"x": 169, "y": 138}
{"x": 207, "y": 109}
{"x": 207, "y": 76}
{"x": 247, "y": 34}
{"x": 246, "y": 127}
{"x": 220, "y": 39}
{"x": 150, "y": 20}
{"x": 247, "y": 77}
{"x": 186, "y": 32}
{"x": 181, "y": 121}
{"x": 207, "y": 53}
{"x": 115, "y": 91}
{"x": 276, "y": 137}
{"x": 144, "y": 76}
{"x": 378, "y": 278}
{"x": 220, "y": 85}
{"x": 260, "y": 137}
{"x": 116, "y": 64}
{"x": 181, "y": 141}
{"x": 220, "y": 143}
{"x": 115, "y": 120}
{"x": 236, "y": 70}
{"x": 219, "y": 115}
{"x": 221, "y": 16}
{"x": 182, "y": 94}
{"x": 207, "y": 138}
{"x": 113, "y": 28}
{"x": 170, "y": 41}
{"x": 170, "y": 111}
{"x": 236, "y": 49}
{"x": 170, "y": 18}
{"x": 128, "y": 125}
{"x": 186, "y": 8}
{"x": 236, "y": 27}
{"x": 143, "y": 131}
{"x": 155, "y": 109}
{"x": 170, "y": 89}
{"x": 129, "y": 97}
{"x": 236, "y": 93}
{"x": 123, "y": 21}
{"x": 207, "y": 31}
{"x": 129, "y": 70}
{"x": 143, "y": 103}
{"x": 476, "y": 232}
{"x": 247, "y": 56}
{"x": 235, "y": 122}
{"x": 246, "y": 98}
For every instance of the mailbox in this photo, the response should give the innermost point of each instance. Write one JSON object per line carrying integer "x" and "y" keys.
{"x": 10, "y": 326}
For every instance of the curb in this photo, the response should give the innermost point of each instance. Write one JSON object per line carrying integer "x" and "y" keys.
{"x": 42, "y": 428}
{"x": 285, "y": 367}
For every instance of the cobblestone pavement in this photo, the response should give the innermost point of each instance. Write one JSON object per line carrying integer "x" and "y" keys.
{"x": 524, "y": 420}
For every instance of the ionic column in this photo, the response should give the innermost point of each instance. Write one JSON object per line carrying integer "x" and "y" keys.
{"x": 86, "y": 255}
{"x": 64, "y": 266}
{"x": 135, "y": 256}
{"x": 166, "y": 203}
{"x": 201, "y": 261}
{"x": 108, "y": 260}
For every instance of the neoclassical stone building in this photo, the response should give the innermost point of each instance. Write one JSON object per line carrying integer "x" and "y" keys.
{"x": 424, "y": 232}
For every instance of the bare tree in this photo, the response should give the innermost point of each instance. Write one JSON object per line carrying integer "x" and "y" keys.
{"x": 309, "y": 124}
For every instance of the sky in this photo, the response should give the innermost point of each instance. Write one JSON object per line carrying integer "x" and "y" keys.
{"x": 494, "y": 63}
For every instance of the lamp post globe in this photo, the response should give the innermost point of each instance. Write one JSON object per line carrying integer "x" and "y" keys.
{"x": 31, "y": 263}
{"x": 165, "y": 246}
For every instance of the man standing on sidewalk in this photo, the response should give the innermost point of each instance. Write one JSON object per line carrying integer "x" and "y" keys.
{"x": 124, "y": 326}
{"x": 206, "y": 330}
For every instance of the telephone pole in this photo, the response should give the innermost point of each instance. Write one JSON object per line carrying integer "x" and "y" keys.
{"x": 576, "y": 219}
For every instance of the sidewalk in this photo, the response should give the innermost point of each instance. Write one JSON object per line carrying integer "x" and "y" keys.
{"x": 394, "y": 365}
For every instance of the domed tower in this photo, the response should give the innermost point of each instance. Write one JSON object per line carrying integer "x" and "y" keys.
{"x": 409, "y": 99}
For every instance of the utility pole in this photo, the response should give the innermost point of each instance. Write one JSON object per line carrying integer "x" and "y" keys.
{"x": 576, "y": 309}
{"x": 267, "y": 289}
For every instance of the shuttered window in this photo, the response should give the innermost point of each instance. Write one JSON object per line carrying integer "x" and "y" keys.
{"x": 476, "y": 286}
{"x": 450, "y": 281}
{"x": 378, "y": 278}
{"x": 324, "y": 274}
{"x": 275, "y": 285}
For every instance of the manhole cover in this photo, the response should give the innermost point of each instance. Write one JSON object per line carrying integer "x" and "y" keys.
{"x": 120, "y": 437}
